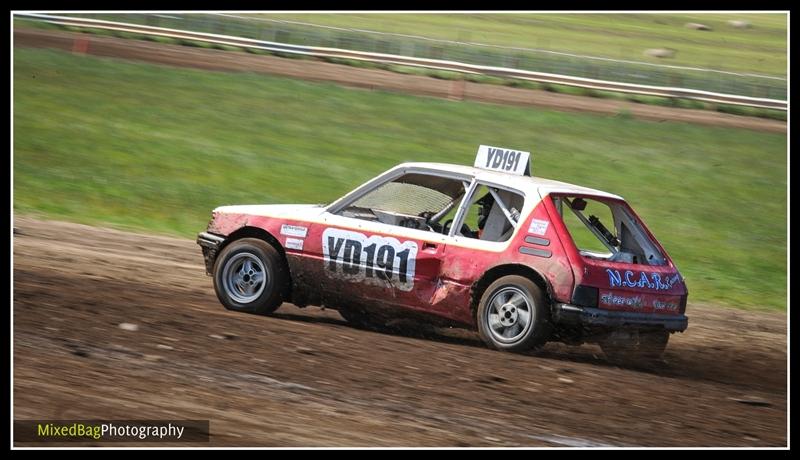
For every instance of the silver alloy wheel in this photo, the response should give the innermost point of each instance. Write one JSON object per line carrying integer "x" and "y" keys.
{"x": 244, "y": 277}
{"x": 509, "y": 315}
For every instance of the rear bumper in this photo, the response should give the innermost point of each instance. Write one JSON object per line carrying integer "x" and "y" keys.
{"x": 586, "y": 316}
{"x": 210, "y": 244}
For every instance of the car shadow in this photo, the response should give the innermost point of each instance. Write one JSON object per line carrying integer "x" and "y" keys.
{"x": 673, "y": 365}
{"x": 398, "y": 328}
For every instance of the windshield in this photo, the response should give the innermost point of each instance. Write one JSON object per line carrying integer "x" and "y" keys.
{"x": 413, "y": 200}
{"x": 607, "y": 230}
{"x": 404, "y": 198}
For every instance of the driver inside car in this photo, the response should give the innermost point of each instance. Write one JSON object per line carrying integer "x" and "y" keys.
{"x": 485, "y": 206}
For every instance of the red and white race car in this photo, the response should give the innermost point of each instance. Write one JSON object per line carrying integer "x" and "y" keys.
{"x": 523, "y": 260}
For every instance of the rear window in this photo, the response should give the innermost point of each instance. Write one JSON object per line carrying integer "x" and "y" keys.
{"x": 607, "y": 230}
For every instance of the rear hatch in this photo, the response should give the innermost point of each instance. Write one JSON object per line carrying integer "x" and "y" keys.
{"x": 618, "y": 264}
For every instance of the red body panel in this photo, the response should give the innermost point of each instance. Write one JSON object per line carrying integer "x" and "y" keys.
{"x": 624, "y": 286}
{"x": 341, "y": 261}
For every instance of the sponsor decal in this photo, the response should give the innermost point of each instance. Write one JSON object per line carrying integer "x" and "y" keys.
{"x": 294, "y": 230}
{"x": 372, "y": 260}
{"x": 294, "y": 243}
{"x": 641, "y": 280}
{"x": 538, "y": 227}
{"x": 670, "y": 306}
{"x": 611, "y": 299}
{"x": 503, "y": 160}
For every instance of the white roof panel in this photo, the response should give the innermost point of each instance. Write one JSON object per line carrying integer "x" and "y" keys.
{"x": 524, "y": 183}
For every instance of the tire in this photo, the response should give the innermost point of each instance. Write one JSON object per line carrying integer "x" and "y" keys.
{"x": 250, "y": 276}
{"x": 635, "y": 347}
{"x": 513, "y": 315}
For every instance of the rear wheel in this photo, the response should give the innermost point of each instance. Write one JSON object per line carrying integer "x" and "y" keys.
{"x": 249, "y": 276}
{"x": 512, "y": 315}
{"x": 635, "y": 347}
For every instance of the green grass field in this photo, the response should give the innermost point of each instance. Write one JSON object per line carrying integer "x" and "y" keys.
{"x": 156, "y": 148}
{"x": 760, "y": 48}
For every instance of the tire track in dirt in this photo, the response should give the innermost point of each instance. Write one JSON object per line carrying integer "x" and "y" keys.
{"x": 304, "y": 377}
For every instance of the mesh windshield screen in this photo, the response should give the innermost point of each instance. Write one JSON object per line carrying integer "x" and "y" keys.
{"x": 404, "y": 198}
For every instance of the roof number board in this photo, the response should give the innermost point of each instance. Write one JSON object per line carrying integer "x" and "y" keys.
{"x": 503, "y": 160}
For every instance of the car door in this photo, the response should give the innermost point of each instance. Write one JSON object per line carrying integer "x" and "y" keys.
{"x": 379, "y": 263}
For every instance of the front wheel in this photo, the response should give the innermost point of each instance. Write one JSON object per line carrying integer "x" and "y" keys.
{"x": 512, "y": 315}
{"x": 249, "y": 276}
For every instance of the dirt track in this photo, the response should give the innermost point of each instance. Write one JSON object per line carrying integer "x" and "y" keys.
{"x": 373, "y": 79}
{"x": 306, "y": 378}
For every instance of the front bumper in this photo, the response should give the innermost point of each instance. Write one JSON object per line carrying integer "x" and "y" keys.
{"x": 210, "y": 244}
{"x": 587, "y": 316}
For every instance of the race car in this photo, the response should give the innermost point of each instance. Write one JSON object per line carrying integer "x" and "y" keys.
{"x": 521, "y": 259}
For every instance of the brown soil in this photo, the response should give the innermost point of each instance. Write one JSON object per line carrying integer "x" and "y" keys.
{"x": 177, "y": 55}
{"x": 304, "y": 377}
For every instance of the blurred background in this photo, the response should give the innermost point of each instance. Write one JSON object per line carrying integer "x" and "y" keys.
{"x": 147, "y": 122}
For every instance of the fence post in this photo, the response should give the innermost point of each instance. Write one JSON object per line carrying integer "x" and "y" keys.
{"x": 457, "y": 89}
{"x": 80, "y": 45}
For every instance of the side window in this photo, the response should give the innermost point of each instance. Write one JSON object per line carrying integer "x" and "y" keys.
{"x": 492, "y": 215}
{"x": 416, "y": 200}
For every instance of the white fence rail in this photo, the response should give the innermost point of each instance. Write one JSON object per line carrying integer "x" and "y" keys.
{"x": 486, "y": 45}
{"x": 684, "y": 93}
